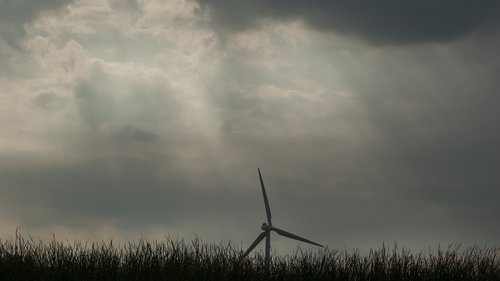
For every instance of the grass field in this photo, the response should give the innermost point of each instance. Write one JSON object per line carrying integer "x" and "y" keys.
{"x": 24, "y": 258}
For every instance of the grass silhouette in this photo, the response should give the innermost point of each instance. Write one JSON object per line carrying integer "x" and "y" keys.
{"x": 24, "y": 258}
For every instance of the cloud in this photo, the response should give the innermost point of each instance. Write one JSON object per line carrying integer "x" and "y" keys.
{"x": 50, "y": 101}
{"x": 150, "y": 120}
{"x": 121, "y": 189}
{"x": 132, "y": 133}
{"x": 125, "y": 5}
{"x": 15, "y": 14}
{"x": 113, "y": 94}
{"x": 15, "y": 17}
{"x": 381, "y": 22}
{"x": 400, "y": 133}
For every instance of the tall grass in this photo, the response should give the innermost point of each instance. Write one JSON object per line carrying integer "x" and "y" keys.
{"x": 24, "y": 258}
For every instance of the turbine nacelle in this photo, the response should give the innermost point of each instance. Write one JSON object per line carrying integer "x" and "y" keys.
{"x": 266, "y": 227}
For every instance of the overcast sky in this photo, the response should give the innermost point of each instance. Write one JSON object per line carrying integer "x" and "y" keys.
{"x": 371, "y": 123}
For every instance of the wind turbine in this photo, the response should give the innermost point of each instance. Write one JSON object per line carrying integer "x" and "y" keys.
{"x": 268, "y": 227}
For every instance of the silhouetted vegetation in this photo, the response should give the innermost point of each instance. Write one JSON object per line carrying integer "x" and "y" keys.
{"x": 29, "y": 259}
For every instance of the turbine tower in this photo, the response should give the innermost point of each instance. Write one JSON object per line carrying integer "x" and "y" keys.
{"x": 268, "y": 227}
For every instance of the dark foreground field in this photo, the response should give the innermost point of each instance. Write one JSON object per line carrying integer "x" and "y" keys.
{"x": 24, "y": 258}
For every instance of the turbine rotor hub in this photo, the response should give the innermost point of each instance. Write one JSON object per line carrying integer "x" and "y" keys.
{"x": 265, "y": 227}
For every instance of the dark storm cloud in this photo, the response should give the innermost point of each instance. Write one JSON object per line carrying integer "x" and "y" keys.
{"x": 381, "y": 22}
{"x": 357, "y": 144}
{"x": 410, "y": 153}
{"x": 130, "y": 192}
{"x": 436, "y": 141}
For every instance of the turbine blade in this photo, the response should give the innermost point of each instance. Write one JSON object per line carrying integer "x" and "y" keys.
{"x": 255, "y": 243}
{"x": 266, "y": 202}
{"x": 268, "y": 248}
{"x": 293, "y": 236}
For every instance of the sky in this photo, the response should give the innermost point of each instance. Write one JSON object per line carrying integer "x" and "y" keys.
{"x": 371, "y": 122}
